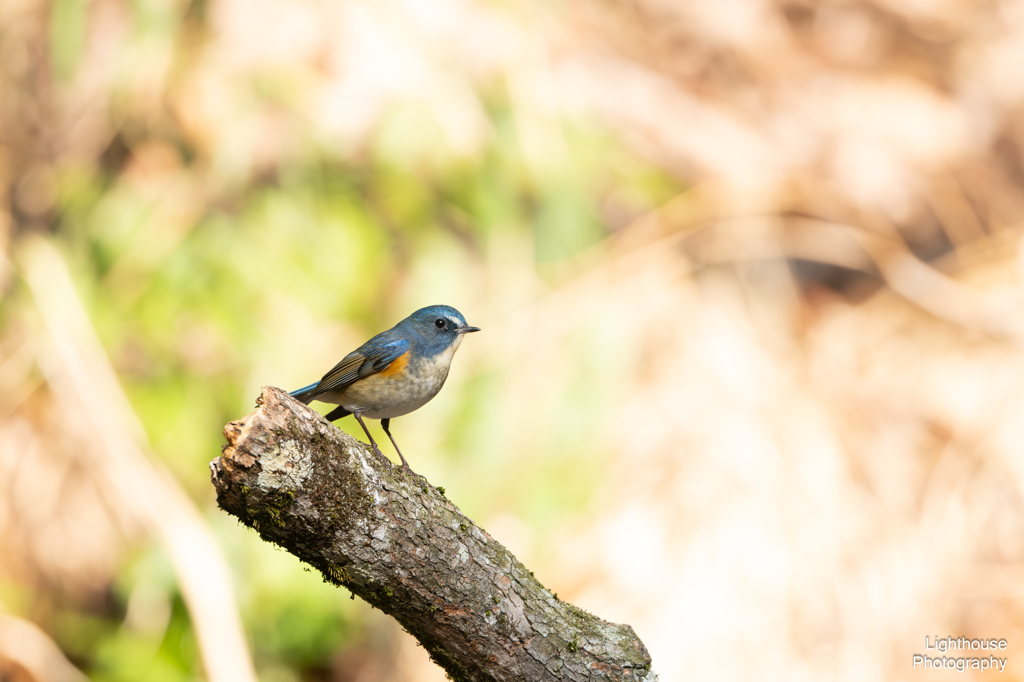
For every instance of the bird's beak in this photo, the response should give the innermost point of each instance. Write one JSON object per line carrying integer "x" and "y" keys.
{"x": 466, "y": 330}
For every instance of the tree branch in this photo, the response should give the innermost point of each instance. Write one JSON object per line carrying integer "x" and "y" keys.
{"x": 397, "y": 543}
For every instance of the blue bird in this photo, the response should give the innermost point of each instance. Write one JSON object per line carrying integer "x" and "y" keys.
{"x": 393, "y": 373}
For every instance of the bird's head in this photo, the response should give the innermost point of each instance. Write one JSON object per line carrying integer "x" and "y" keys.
{"x": 440, "y": 325}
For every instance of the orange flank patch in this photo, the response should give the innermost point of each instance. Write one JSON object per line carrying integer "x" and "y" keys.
{"x": 397, "y": 366}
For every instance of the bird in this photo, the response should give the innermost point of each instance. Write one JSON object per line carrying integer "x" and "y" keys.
{"x": 394, "y": 373}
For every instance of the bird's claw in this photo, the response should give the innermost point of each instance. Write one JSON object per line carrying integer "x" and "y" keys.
{"x": 407, "y": 469}
{"x": 380, "y": 454}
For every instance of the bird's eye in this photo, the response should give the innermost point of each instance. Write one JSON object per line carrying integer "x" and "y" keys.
{"x": 439, "y": 323}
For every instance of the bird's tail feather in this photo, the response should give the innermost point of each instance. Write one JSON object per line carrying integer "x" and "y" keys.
{"x": 305, "y": 394}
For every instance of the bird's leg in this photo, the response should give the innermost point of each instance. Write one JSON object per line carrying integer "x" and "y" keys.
{"x": 373, "y": 443}
{"x": 386, "y": 424}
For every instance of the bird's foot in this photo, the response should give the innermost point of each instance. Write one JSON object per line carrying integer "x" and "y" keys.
{"x": 376, "y": 451}
{"x": 407, "y": 469}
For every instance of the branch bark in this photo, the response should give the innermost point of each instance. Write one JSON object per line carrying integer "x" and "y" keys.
{"x": 399, "y": 544}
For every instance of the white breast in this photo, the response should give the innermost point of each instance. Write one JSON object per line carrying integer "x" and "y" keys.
{"x": 380, "y": 397}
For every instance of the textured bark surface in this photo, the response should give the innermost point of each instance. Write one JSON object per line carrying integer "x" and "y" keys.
{"x": 396, "y": 542}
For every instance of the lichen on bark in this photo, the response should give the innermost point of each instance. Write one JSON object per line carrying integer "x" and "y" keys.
{"x": 398, "y": 543}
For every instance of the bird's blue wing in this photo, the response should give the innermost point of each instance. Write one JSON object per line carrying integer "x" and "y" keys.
{"x": 372, "y": 357}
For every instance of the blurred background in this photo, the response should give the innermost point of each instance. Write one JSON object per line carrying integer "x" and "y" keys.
{"x": 749, "y": 272}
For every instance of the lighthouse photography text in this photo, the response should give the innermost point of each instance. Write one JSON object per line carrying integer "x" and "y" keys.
{"x": 949, "y": 644}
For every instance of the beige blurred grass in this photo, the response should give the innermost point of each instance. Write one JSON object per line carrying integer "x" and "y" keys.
{"x": 806, "y": 492}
